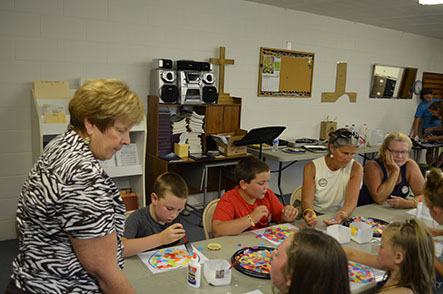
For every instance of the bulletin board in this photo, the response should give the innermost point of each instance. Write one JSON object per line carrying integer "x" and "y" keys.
{"x": 285, "y": 73}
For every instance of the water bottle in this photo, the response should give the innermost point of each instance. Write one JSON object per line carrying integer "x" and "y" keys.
{"x": 275, "y": 145}
{"x": 375, "y": 138}
{"x": 363, "y": 132}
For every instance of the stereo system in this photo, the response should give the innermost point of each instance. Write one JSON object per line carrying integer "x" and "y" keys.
{"x": 192, "y": 82}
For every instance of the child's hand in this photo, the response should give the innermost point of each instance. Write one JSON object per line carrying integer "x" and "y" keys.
{"x": 310, "y": 218}
{"x": 258, "y": 213}
{"x": 289, "y": 213}
{"x": 171, "y": 234}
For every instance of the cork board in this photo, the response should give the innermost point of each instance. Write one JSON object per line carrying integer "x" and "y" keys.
{"x": 285, "y": 73}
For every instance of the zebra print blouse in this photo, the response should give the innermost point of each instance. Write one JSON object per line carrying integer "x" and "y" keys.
{"x": 67, "y": 193}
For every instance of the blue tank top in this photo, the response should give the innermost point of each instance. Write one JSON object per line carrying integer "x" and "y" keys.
{"x": 401, "y": 189}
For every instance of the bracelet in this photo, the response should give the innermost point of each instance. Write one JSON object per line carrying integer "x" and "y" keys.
{"x": 308, "y": 210}
{"x": 214, "y": 246}
{"x": 415, "y": 203}
{"x": 342, "y": 212}
{"x": 251, "y": 221}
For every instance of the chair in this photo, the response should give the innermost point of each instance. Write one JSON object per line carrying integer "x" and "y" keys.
{"x": 207, "y": 217}
{"x": 296, "y": 195}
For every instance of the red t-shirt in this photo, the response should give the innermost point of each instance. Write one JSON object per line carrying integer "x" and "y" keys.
{"x": 233, "y": 206}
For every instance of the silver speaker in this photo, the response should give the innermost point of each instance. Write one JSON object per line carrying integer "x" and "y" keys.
{"x": 189, "y": 86}
{"x": 164, "y": 85}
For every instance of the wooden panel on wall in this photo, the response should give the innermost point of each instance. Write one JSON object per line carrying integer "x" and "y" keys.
{"x": 434, "y": 81}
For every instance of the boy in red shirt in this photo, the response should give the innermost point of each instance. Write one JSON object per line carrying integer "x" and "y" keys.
{"x": 251, "y": 204}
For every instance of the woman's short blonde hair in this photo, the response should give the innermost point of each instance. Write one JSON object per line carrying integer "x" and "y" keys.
{"x": 396, "y": 136}
{"x": 104, "y": 101}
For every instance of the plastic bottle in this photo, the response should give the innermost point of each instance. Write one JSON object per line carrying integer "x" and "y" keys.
{"x": 419, "y": 209}
{"x": 375, "y": 138}
{"x": 363, "y": 132}
{"x": 353, "y": 128}
{"x": 194, "y": 272}
{"x": 275, "y": 145}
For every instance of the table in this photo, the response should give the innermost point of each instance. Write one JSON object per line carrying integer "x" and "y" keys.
{"x": 173, "y": 281}
{"x": 283, "y": 157}
{"x": 196, "y": 175}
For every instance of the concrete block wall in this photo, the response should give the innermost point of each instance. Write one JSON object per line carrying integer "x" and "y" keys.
{"x": 72, "y": 39}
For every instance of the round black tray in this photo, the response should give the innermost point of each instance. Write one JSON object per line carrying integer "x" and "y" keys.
{"x": 248, "y": 272}
{"x": 380, "y": 221}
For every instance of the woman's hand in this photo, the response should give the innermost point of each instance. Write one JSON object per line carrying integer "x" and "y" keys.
{"x": 338, "y": 219}
{"x": 399, "y": 202}
{"x": 390, "y": 164}
{"x": 310, "y": 218}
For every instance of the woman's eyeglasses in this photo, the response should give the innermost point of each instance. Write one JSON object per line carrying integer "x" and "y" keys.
{"x": 399, "y": 152}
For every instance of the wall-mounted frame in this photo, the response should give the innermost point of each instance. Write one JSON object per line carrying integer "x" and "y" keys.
{"x": 285, "y": 73}
{"x": 392, "y": 82}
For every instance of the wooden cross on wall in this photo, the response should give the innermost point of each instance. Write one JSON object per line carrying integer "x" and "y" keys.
{"x": 223, "y": 98}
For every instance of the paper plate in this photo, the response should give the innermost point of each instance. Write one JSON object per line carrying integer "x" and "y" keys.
{"x": 254, "y": 261}
{"x": 377, "y": 224}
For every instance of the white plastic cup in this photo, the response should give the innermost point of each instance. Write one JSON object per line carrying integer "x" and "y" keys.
{"x": 341, "y": 233}
{"x": 217, "y": 272}
{"x": 361, "y": 232}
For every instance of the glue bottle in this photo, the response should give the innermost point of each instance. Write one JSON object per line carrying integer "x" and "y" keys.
{"x": 194, "y": 272}
{"x": 419, "y": 209}
{"x": 275, "y": 145}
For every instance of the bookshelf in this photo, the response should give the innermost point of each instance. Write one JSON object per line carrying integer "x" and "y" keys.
{"x": 219, "y": 118}
{"x": 129, "y": 176}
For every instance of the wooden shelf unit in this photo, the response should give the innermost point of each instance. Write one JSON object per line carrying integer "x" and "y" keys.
{"x": 219, "y": 118}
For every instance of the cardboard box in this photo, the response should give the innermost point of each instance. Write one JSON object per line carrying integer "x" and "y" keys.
{"x": 326, "y": 127}
{"x": 51, "y": 89}
{"x": 229, "y": 148}
{"x": 181, "y": 150}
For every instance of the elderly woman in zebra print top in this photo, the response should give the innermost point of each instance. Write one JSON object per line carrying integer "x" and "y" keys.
{"x": 70, "y": 214}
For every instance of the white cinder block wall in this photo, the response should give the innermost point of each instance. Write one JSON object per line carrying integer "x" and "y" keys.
{"x": 69, "y": 39}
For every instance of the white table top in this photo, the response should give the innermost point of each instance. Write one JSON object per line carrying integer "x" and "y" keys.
{"x": 281, "y": 156}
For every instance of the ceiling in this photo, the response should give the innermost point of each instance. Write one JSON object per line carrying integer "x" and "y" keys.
{"x": 400, "y": 15}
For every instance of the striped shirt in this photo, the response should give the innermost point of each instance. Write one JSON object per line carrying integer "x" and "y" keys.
{"x": 67, "y": 193}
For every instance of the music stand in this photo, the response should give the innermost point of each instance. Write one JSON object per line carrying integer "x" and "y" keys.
{"x": 260, "y": 136}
